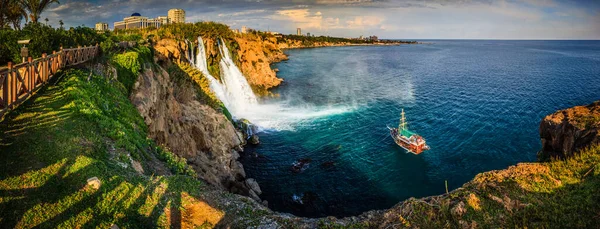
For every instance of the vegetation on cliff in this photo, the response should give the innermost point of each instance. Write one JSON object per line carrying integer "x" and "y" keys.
{"x": 184, "y": 71}
{"x": 82, "y": 126}
{"x": 129, "y": 65}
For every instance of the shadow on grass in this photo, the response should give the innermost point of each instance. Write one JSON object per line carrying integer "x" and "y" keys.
{"x": 49, "y": 151}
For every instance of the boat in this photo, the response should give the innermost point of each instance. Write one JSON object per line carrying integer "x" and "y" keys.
{"x": 410, "y": 141}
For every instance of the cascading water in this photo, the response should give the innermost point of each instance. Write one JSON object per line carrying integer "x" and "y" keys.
{"x": 243, "y": 99}
{"x": 213, "y": 83}
{"x": 237, "y": 96}
{"x": 190, "y": 53}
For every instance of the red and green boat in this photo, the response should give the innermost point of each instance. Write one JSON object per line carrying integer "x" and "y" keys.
{"x": 410, "y": 141}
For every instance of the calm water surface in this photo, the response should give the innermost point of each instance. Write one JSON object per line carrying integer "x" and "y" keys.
{"x": 478, "y": 104}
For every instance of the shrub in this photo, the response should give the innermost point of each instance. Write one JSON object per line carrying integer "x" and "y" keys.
{"x": 44, "y": 39}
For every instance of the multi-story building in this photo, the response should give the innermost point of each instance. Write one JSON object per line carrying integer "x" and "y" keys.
{"x": 137, "y": 21}
{"x": 299, "y": 32}
{"x": 163, "y": 20}
{"x": 244, "y": 29}
{"x": 176, "y": 16}
{"x": 101, "y": 26}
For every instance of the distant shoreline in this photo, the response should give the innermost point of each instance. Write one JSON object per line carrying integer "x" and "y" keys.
{"x": 350, "y": 44}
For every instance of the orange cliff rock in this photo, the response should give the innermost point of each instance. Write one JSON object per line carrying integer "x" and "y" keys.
{"x": 256, "y": 57}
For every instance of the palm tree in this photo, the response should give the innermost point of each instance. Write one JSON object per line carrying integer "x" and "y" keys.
{"x": 60, "y": 22}
{"x": 4, "y": 5}
{"x": 36, "y": 7}
{"x": 46, "y": 21}
{"x": 12, "y": 12}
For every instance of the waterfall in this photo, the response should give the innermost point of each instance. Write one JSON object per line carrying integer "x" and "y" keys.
{"x": 237, "y": 96}
{"x": 190, "y": 53}
{"x": 236, "y": 85}
{"x": 213, "y": 83}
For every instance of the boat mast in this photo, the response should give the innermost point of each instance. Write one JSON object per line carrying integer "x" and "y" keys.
{"x": 402, "y": 125}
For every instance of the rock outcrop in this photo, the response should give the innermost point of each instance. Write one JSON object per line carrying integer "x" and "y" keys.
{"x": 567, "y": 131}
{"x": 170, "y": 50}
{"x": 255, "y": 56}
{"x": 195, "y": 131}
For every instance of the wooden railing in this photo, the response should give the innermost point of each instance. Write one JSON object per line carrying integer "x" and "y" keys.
{"x": 18, "y": 82}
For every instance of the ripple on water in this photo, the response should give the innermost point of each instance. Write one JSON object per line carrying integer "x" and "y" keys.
{"x": 478, "y": 104}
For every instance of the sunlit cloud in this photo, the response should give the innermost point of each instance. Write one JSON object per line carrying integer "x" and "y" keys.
{"x": 505, "y": 19}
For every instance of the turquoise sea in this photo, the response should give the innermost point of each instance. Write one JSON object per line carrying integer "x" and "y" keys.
{"x": 478, "y": 103}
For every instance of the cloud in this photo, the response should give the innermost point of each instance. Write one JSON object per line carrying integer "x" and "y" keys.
{"x": 531, "y": 19}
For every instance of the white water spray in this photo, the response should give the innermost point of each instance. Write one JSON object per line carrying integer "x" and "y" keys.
{"x": 213, "y": 83}
{"x": 236, "y": 85}
{"x": 237, "y": 96}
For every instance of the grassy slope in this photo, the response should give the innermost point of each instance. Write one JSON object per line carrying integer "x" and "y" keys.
{"x": 70, "y": 132}
{"x": 557, "y": 194}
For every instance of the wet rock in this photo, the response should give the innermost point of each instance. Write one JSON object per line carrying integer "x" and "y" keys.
{"x": 254, "y": 196}
{"x": 248, "y": 130}
{"x": 301, "y": 165}
{"x": 254, "y": 140}
{"x": 253, "y": 185}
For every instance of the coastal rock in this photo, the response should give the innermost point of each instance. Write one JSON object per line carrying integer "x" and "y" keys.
{"x": 255, "y": 56}
{"x": 301, "y": 165}
{"x": 249, "y": 131}
{"x": 567, "y": 131}
{"x": 190, "y": 129}
{"x": 170, "y": 50}
{"x": 253, "y": 185}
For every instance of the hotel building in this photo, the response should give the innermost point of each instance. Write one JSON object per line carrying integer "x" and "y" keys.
{"x": 137, "y": 21}
{"x": 176, "y": 15}
{"x": 101, "y": 26}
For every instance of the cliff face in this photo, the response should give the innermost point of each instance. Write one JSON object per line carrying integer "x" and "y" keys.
{"x": 567, "y": 131}
{"x": 170, "y": 50}
{"x": 256, "y": 56}
{"x": 193, "y": 130}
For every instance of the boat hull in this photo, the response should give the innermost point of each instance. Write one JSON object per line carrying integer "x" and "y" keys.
{"x": 405, "y": 143}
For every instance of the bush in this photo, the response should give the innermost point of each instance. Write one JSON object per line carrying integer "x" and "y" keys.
{"x": 130, "y": 64}
{"x": 44, "y": 39}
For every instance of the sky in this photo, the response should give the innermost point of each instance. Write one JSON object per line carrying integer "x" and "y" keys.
{"x": 392, "y": 19}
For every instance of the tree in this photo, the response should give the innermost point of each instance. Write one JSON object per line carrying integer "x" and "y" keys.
{"x": 46, "y": 21}
{"x": 11, "y": 12}
{"x": 61, "y": 23}
{"x": 36, "y": 7}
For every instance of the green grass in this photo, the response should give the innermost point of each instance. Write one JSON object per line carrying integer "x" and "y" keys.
{"x": 130, "y": 63}
{"x": 73, "y": 130}
{"x": 557, "y": 194}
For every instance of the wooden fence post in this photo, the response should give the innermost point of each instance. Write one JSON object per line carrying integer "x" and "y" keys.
{"x": 13, "y": 85}
{"x": 44, "y": 73}
{"x": 60, "y": 59}
{"x": 30, "y": 77}
{"x": 53, "y": 61}
{"x": 6, "y": 87}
